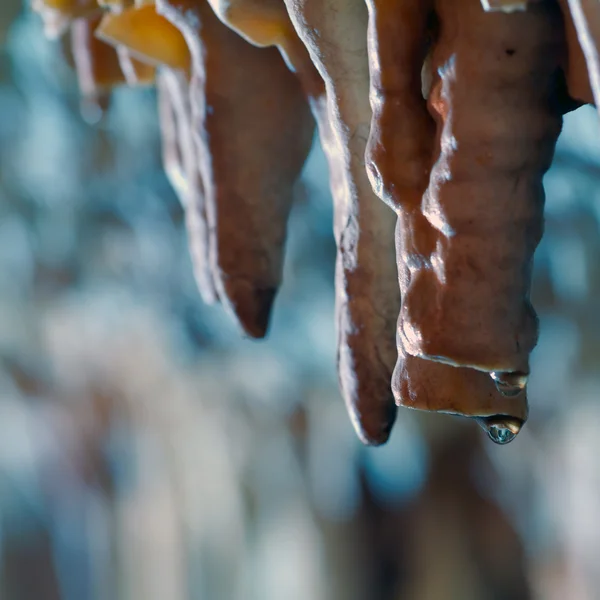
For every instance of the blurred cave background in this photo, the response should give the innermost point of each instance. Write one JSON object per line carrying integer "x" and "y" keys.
{"x": 147, "y": 451}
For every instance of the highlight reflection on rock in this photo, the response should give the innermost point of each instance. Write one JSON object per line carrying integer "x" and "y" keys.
{"x": 448, "y": 111}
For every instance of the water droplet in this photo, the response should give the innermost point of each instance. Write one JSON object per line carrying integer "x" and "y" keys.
{"x": 509, "y": 384}
{"x": 501, "y": 429}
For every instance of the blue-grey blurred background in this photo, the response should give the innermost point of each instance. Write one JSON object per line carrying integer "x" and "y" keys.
{"x": 147, "y": 451}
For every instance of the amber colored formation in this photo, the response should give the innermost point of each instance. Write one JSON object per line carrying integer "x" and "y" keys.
{"x": 265, "y": 23}
{"x": 147, "y": 35}
{"x": 447, "y": 110}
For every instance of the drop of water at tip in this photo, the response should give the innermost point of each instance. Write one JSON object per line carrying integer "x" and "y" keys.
{"x": 509, "y": 384}
{"x": 501, "y": 429}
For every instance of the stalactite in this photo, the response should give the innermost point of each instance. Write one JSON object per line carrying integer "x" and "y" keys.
{"x": 447, "y": 111}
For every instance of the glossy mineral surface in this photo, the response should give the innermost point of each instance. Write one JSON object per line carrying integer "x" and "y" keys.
{"x": 446, "y": 111}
